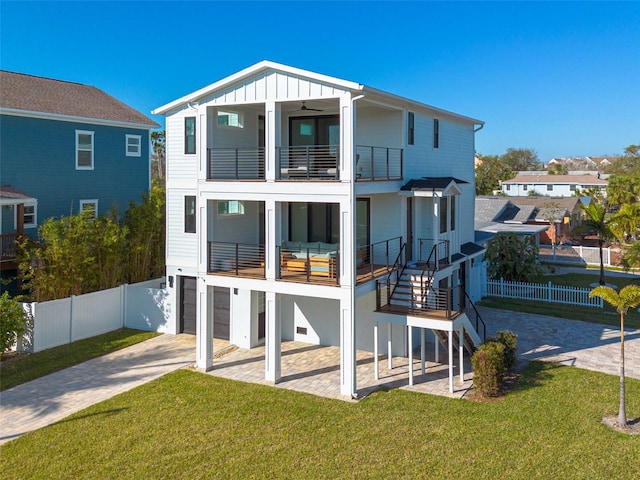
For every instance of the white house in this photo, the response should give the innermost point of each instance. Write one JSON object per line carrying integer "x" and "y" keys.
{"x": 553, "y": 185}
{"x": 306, "y": 207}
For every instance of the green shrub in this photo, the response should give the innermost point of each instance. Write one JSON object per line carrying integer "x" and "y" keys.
{"x": 488, "y": 368}
{"x": 12, "y": 321}
{"x": 510, "y": 342}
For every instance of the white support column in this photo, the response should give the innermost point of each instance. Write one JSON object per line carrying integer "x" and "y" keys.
{"x": 273, "y": 340}
{"x": 272, "y": 123}
{"x": 389, "y": 354}
{"x": 410, "y": 339}
{"x": 272, "y": 234}
{"x": 204, "y": 326}
{"x": 450, "y": 361}
{"x": 461, "y": 350}
{"x": 423, "y": 351}
{"x": 437, "y": 347}
{"x": 376, "y": 360}
{"x": 347, "y": 349}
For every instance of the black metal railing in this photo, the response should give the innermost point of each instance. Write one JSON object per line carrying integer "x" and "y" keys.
{"x": 442, "y": 255}
{"x": 235, "y": 164}
{"x": 377, "y": 259}
{"x": 311, "y": 162}
{"x": 308, "y": 264}
{"x": 378, "y": 163}
{"x": 387, "y": 284}
{"x": 477, "y": 317}
{"x": 239, "y": 259}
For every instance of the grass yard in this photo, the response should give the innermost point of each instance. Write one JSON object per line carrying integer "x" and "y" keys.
{"x": 190, "y": 425}
{"x": 29, "y": 367}
{"x": 607, "y": 316}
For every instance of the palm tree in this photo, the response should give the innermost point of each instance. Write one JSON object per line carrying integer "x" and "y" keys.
{"x": 629, "y": 297}
{"x": 596, "y": 223}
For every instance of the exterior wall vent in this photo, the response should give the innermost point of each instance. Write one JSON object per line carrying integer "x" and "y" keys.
{"x": 301, "y": 330}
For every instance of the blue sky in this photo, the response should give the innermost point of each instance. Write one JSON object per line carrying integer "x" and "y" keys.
{"x": 562, "y": 78}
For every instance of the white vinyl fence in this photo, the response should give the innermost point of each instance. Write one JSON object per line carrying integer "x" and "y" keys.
{"x": 575, "y": 254}
{"x": 543, "y": 293}
{"x": 57, "y": 322}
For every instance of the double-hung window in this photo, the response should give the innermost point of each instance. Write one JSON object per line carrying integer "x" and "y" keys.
{"x": 134, "y": 145}
{"x": 436, "y": 133}
{"x": 190, "y": 135}
{"x": 30, "y": 215}
{"x": 411, "y": 128}
{"x": 84, "y": 150}
{"x": 89, "y": 206}
{"x": 189, "y": 214}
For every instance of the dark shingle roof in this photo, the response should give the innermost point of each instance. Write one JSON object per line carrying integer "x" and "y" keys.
{"x": 426, "y": 183}
{"x": 38, "y": 94}
{"x": 9, "y": 192}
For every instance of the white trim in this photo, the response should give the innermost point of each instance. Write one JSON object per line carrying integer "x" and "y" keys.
{"x": 126, "y": 145}
{"x": 33, "y": 224}
{"x": 92, "y": 201}
{"x": 91, "y": 134}
{"x": 73, "y": 118}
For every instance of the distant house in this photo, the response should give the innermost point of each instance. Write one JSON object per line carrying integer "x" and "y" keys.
{"x": 548, "y": 219}
{"x": 553, "y": 185}
{"x": 65, "y": 147}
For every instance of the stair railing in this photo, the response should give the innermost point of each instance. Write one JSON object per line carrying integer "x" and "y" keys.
{"x": 479, "y": 319}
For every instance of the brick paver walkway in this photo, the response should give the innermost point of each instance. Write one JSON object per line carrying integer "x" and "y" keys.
{"x": 48, "y": 399}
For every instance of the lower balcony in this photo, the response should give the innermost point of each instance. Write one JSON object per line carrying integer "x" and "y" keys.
{"x": 236, "y": 259}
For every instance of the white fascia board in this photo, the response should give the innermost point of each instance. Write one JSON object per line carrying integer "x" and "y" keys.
{"x": 72, "y": 118}
{"x": 253, "y": 70}
{"x": 413, "y": 103}
{"x": 18, "y": 201}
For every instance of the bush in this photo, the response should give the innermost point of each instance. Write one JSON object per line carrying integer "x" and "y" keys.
{"x": 510, "y": 342}
{"x": 12, "y": 321}
{"x": 488, "y": 368}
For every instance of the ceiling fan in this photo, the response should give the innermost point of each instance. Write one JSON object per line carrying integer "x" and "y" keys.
{"x": 304, "y": 108}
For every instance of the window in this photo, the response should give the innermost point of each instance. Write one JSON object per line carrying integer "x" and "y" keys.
{"x": 572, "y": 188}
{"x": 190, "y": 135}
{"x": 189, "y": 214}
{"x": 84, "y": 150}
{"x": 411, "y": 128}
{"x": 452, "y": 218}
{"x": 549, "y": 187}
{"x": 134, "y": 145}
{"x": 230, "y": 119}
{"x": 30, "y": 219}
{"x": 436, "y": 133}
{"x": 525, "y": 187}
{"x": 230, "y": 207}
{"x": 89, "y": 206}
{"x": 508, "y": 187}
{"x": 443, "y": 214}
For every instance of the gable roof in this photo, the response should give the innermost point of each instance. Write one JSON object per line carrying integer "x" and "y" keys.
{"x": 30, "y": 95}
{"x": 266, "y": 65}
{"x": 557, "y": 179}
{"x": 549, "y": 207}
{"x": 10, "y": 195}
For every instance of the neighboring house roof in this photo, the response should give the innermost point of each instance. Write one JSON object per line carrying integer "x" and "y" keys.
{"x": 557, "y": 179}
{"x": 501, "y": 215}
{"x": 265, "y": 66}
{"x": 550, "y": 207}
{"x": 10, "y": 195}
{"x": 28, "y": 94}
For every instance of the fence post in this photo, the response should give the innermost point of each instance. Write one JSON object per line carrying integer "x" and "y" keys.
{"x": 608, "y": 261}
{"x": 71, "y": 318}
{"x": 549, "y": 296}
{"x": 502, "y": 287}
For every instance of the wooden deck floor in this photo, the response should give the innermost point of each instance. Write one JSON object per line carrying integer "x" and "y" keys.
{"x": 364, "y": 274}
{"x": 405, "y": 310}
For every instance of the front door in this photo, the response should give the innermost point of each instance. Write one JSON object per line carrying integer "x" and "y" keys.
{"x": 409, "y": 249}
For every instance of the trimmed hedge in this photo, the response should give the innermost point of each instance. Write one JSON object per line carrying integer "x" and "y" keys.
{"x": 492, "y": 360}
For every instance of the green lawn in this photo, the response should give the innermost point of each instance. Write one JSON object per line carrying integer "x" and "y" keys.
{"x": 190, "y": 425}
{"x": 607, "y": 316}
{"x": 30, "y": 367}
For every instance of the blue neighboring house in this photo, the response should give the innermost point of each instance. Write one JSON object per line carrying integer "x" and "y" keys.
{"x": 65, "y": 147}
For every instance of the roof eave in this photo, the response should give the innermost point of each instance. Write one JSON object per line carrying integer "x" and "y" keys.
{"x": 73, "y": 118}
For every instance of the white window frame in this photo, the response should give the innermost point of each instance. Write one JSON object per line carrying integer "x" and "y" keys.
{"x": 92, "y": 201}
{"x": 91, "y": 134}
{"x": 25, "y": 223}
{"x": 237, "y": 210}
{"x": 137, "y": 153}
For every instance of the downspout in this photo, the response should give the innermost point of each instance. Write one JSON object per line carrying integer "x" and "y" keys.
{"x": 476, "y": 130}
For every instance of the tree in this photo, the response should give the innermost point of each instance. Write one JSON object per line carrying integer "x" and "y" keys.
{"x": 631, "y": 255}
{"x": 623, "y": 189}
{"x": 521, "y": 159}
{"x": 629, "y": 297}
{"x": 558, "y": 169}
{"x": 12, "y": 321}
{"x": 625, "y": 224}
{"x": 629, "y": 163}
{"x": 158, "y": 164}
{"x": 489, "y": 173}
{"x": 596, "y": 223}
{"x": 512, "y": 257}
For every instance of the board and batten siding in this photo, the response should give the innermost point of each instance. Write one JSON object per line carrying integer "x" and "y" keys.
{"x": 272, "y": 86}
